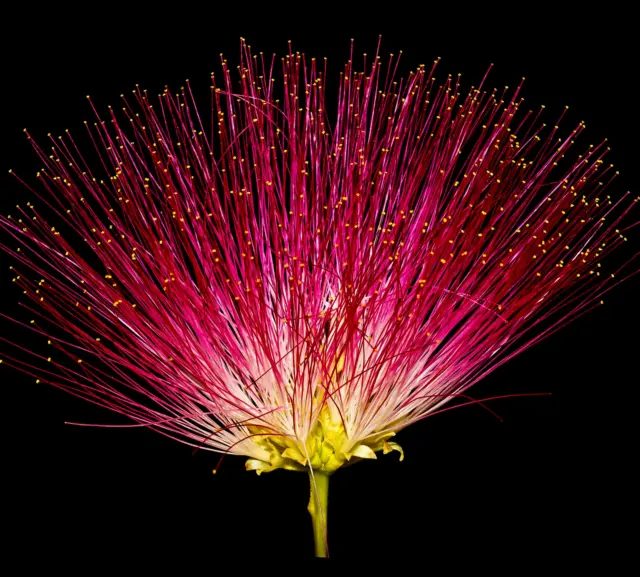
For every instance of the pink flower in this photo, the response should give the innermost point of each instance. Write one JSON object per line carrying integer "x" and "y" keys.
{"x": 273, "y": 283}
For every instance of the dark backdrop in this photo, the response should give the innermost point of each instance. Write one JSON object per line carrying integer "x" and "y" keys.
{"x": 550, "y": 485}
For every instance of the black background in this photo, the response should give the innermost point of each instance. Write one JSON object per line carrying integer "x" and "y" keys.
{"x": 550, "y": 486}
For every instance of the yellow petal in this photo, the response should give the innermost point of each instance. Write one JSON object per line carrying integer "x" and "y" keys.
{"x": 294, "y": 455}
{"x": 363, "y": 452}
{"x": 388, "y": 447}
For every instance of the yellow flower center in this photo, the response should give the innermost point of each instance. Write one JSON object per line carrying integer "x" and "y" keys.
{"x": 326, "y": 449}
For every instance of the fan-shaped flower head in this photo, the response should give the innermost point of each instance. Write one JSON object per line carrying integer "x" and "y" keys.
{"x": 273, "y": 283}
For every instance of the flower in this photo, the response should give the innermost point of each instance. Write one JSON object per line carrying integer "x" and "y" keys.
{"x": 270, "y": 283}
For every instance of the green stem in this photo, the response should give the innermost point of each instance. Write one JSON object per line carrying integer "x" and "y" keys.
{"x": 318, "y": 503}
